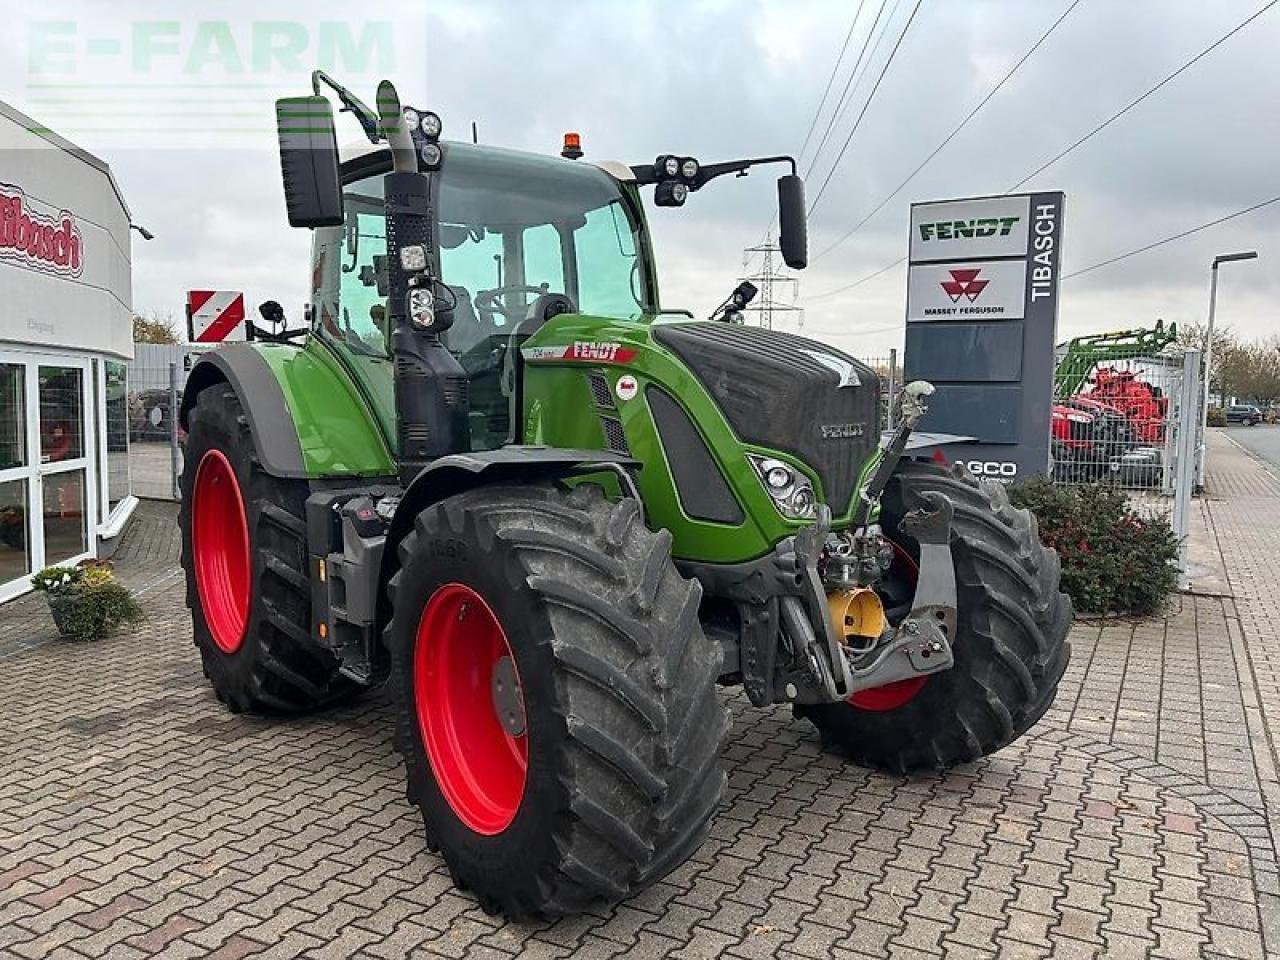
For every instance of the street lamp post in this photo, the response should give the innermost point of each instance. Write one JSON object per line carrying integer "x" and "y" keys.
{"x": 1208, "y": 354}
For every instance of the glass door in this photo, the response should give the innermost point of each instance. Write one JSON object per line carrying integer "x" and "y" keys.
{"x": 47, "y": 475}
{"x": 15, "y": 471}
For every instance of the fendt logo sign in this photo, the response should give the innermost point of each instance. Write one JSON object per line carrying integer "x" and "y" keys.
{"x": 38, "y": 237}
{"x": 960, "y": 229}
{"x": 964, "y": 283}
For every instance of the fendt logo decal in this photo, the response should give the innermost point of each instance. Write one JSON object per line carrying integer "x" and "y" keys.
{"x": 588, "y": 351}
{"x": 964, "y": 283}
{"x": 958, "y": 229}
{"x": 49, "y": 242}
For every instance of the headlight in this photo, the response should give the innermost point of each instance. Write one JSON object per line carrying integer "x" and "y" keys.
{"x": 671, "y": 166}
{"x": 788, "y": 488}
{"x": 779, "y": 478}
{"x": 431, "y": 125}
{"x": 688, "y": 168}
{"x": 431, "y": 155}
{"x": 411, "y": 117}
{"x": 422, "y": 308}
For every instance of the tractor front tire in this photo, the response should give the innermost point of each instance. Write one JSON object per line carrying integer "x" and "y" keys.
{"x": 244, "y": 552}
{"x": 1010, "y": 646}
{"x": 556, "y": 697}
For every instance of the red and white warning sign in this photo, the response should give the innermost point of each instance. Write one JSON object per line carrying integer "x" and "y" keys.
{"x": 214, "y": 316}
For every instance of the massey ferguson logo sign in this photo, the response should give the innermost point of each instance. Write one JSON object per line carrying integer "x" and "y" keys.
{"x": 978, "y": 290}
{"x": 39, "y": 239}
{"x": 964, "y": 283}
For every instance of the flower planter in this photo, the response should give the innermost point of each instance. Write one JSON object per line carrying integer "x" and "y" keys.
{"x": 64, "y": 607}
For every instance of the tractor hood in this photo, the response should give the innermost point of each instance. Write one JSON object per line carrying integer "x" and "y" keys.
{"x": 787, "y": 393}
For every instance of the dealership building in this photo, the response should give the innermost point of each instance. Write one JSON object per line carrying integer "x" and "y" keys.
{"x": 65, "y": 338}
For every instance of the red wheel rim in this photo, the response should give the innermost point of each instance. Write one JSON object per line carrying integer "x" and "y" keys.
{"x": 220, "y": 550}
{"x": 900, "y": 692}
{"x": 479, "y": 765}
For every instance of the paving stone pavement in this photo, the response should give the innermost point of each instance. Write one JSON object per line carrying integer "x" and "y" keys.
{"x": 137, "y": 818}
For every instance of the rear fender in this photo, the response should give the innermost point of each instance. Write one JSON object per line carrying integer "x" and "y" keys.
{"x": 308, "y": 419}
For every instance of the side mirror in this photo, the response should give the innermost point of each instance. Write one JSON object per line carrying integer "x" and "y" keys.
{"x": 793, "y": 232}
{"x": 309, "y": 161}
{"x": 272, "y": 313}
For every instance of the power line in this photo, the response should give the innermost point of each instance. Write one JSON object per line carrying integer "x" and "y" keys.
{"x": 858, "y": 283}
{"x": 1094, "y": 266}
{"x": 838, "y": 110}
{"x": 870, "y": 97}
{"x": 1087, "y": 136}
{"x": 952, "y": 135}
{"x": 1177, "y": 236}
{"x": 1133, "y": 103}
{"x": 813, "y": 125}
{"x": 817, "y": 114}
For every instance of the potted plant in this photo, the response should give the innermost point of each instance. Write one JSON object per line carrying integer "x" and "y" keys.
{"x": 86, "y": 601}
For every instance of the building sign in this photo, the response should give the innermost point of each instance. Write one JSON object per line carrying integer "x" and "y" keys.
{"x": 37, "y": 236}
{"x": 215, "y": 316}
{"x": 989, "y": 289}
{"x": 982, "y": 313}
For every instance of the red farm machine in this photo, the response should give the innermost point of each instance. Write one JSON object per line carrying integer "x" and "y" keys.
{"x": 1108, "y": 418}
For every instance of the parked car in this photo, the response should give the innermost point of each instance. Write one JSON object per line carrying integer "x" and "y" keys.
{"x": 1245, "y": 413}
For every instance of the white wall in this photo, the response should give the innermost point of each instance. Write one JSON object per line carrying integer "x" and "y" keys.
{"x": 44, "y": 304}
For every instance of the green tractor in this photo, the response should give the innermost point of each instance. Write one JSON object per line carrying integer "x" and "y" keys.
{"x": 495, "y": 475}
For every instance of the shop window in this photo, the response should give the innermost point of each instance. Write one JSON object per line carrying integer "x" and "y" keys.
{"x": 64, "y": 520}
{"x": 13, "y": 417}
{"x": 61, "y": 414}
{"x": 117, "y": 447}
{"x": 15, "y": 558}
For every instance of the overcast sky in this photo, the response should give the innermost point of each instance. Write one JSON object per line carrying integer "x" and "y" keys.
{"x": 719, "y": 80}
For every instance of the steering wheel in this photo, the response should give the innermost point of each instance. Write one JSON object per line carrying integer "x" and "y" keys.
{"x": 489, "y": 301}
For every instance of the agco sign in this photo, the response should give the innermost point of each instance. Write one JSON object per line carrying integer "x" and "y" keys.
{"x": 48, "y": 240}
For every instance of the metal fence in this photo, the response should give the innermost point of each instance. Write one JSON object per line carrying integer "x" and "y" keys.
{"x": 1130, "y": 421}
{"x": 156, "y": 378}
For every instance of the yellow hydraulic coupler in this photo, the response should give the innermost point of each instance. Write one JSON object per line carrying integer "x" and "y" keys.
{"x": 856, "y": 613}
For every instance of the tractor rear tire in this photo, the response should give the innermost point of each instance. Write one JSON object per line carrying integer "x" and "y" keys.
{"x": 555, "y": 697}
{"x": 244, "y": 551}
{"x": 1010, "y": 647}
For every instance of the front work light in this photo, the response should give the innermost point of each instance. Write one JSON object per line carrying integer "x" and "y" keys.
{"x": 689, "y": 169}
{"x": 431, "y": 125}
{"x": 670, "y": 193}
{"x": 413, "y": 258}
{"x": 422, "y": 308}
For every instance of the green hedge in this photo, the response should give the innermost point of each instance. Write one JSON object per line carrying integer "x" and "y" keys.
{"x": 1113, "y": 559}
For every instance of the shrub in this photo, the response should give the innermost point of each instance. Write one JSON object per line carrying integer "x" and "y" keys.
{"x": 86, "y": 601}
{"x": 1216, "y": 417}
{"x": 1113, "y": 559}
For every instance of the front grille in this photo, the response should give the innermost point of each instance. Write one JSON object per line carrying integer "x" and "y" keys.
{"x": 787, "y": 393}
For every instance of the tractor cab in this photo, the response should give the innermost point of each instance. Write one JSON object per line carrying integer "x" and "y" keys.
{"x": 515, "y": 231}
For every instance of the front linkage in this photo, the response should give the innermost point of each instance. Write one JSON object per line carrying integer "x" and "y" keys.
{"x": 813, "y": 629}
